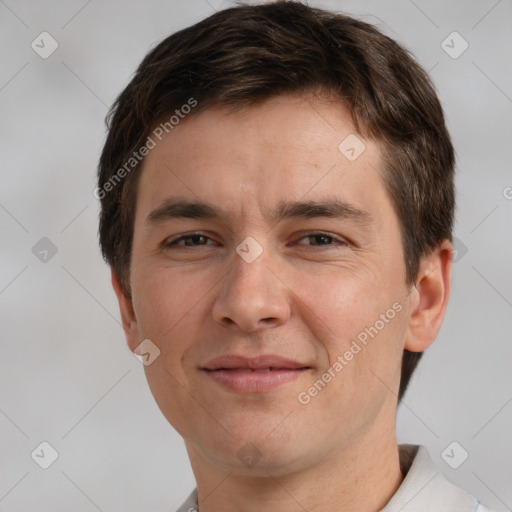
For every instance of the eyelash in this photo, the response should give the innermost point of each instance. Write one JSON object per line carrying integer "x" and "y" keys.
{"x": 334, "y": 238}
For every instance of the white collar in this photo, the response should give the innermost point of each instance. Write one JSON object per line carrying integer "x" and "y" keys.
{"x": 424, "y": 488}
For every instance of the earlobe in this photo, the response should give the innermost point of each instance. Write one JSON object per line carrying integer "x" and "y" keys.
{"x": 128, "y": 317}
{"x": 429, "y": 298}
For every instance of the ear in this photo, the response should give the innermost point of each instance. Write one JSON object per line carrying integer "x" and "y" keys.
{"x": 128, "y": 318}
{"x": 429, "y": 298}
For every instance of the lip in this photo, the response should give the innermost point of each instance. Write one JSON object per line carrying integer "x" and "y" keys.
{"x": 254, "y": 374}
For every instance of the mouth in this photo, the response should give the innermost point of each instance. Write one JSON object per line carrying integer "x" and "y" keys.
{"x": 254, "y": 375}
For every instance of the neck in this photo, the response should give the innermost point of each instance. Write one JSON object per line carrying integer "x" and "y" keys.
{"x": 362, "y": 476}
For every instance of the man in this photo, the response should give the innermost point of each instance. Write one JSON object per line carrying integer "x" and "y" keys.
{"x": 277, "y": 207}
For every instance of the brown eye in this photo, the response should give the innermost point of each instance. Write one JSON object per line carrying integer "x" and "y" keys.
{"x": 321, "y": 239}
{"x": 193, "y": 240}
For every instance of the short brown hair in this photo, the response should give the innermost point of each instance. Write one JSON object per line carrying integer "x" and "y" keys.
{"x": 246, "y": 54}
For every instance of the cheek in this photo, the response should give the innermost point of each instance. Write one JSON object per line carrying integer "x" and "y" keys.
{"x": 359, "y": 321}
{"x": 170, "y": 312}
{"x": 344, "y": 300}
{"x": 168, "y": 305}
{"x": 361, "y": 370}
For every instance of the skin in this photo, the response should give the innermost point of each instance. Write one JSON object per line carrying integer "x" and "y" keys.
{"x": 306, "y": 297}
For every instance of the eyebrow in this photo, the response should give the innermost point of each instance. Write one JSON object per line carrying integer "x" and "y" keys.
{"x": 333, "y": 208}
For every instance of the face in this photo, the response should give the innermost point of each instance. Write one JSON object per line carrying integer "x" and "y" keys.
{"x": 268, "y": 269}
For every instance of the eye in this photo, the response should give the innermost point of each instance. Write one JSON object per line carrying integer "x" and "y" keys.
{"x": 190, "y": 240}
{"x": 321, "y": 239}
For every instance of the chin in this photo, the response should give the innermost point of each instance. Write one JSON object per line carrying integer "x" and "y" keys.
{"x": 255, "y": 448}
{"x": 257, "y": 459}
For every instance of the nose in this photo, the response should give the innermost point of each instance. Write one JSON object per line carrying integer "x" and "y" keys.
{"x": 251, "y": 296}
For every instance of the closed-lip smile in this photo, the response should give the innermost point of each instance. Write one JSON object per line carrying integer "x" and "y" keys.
{"x": 253, "y": 374}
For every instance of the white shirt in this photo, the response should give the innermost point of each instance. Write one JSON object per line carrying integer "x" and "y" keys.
{"x": 423, "y": 489}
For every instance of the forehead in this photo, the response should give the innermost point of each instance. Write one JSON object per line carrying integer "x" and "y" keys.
{"x": 288, "y": 147}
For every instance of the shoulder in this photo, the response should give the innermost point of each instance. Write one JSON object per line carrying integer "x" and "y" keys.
{"x": 481, "y": 508}
{"x": 425, "y": 489}
{"x": 190, "y": 504}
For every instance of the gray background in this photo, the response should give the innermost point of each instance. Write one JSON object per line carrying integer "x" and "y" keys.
{"x": 66, "y": 375}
